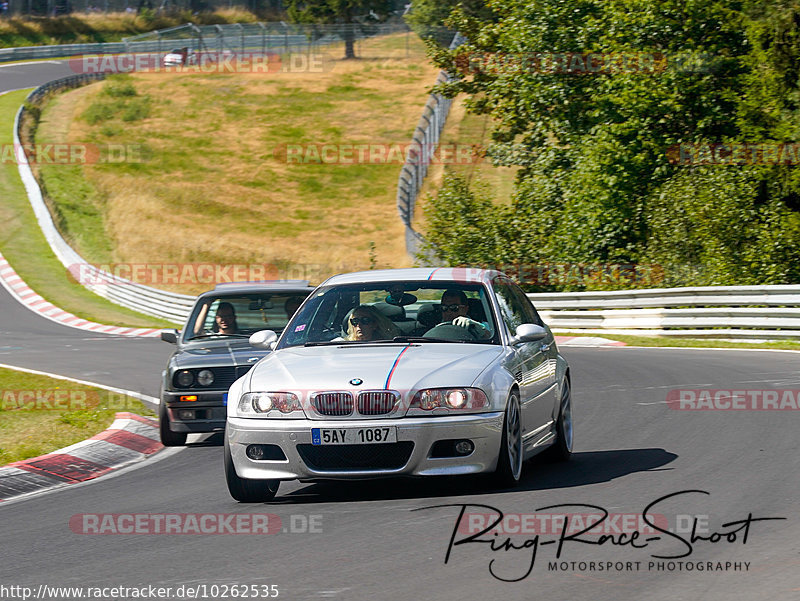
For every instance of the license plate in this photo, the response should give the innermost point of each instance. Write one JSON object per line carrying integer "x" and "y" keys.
{"x": 378, "y": 435}
{"x": 225, "y": 399}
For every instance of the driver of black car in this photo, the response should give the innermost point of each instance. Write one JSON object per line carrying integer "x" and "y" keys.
{"x": 225, "y": 319}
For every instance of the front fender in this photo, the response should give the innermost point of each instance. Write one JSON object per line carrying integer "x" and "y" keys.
{"x": 496, "y": 382}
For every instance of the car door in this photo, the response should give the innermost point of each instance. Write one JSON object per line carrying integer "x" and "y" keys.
{"x": 532, "y": 365}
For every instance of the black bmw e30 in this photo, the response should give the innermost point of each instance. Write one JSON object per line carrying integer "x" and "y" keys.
{"x": 213, "y": 351}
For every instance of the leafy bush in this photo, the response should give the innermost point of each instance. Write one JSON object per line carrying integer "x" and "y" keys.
{"x": 708, "y": 227}
{"x": 460, "y": 223}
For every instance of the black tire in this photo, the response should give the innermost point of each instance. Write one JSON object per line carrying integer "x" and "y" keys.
{"x": 561, "y": 449}
{"x": 168, "y": 437}
{"x": 509, "y": 461}
{"x": 246, "y": 490}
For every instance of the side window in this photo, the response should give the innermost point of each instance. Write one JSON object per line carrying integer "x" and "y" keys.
{"x": 515, "y": 308}
{"x": 526, "y": 307}
{"x": 509, "y": 310}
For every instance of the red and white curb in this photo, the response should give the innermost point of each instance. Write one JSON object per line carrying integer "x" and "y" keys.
{"x": 131, "y": 438}
{"x": 24, "y": 294}
{"x": 586, "y": 341}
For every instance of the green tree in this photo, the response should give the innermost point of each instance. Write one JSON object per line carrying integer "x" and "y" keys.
{"x": 429, "y": 17}
{"x": 349, "y": 14}
{"x": 595, "y": 137}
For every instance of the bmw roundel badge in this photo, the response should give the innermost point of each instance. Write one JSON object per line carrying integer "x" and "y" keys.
{"x": 356, "y": 381}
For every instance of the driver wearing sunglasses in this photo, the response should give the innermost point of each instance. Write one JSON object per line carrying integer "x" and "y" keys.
{"x": 454, "y": 310}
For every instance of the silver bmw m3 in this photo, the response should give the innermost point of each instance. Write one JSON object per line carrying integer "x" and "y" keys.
{"x": 413, "y": 372}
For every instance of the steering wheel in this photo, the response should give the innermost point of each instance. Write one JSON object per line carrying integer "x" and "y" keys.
{"x": 448, "y": 331}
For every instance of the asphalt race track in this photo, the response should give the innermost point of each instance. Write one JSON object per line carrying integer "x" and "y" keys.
{"x": 383, "y": 540}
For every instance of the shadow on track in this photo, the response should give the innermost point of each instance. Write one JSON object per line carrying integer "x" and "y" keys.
{"x": 591, "y": 467}
{"x": 215, "y": 439}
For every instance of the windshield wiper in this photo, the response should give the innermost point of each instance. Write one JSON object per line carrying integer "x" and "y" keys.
{"x": 419, "y": 339}
{"x": 424, "y": 339}
{"x": 215, "y": 334}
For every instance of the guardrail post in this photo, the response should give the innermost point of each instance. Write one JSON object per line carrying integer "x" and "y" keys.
{"x": 285, "y": 37}
{"x": 241, "y": 34}
{"x": 263, "y": 38}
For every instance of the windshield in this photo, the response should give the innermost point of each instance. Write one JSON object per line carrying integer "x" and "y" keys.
{"x": 399, "y": 311}
{"x": 239, "y": 315}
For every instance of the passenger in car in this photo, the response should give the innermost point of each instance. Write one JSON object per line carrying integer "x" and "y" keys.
{"x": 398, "y": 296}
{"x": 367, "y": 323}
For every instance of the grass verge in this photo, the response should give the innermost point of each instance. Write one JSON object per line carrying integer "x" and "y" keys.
{"x": 656, "y": 341}
{"x": 24, "y": 246}
{"x": 218, "y": 183}
{"x": 39, "y": 414}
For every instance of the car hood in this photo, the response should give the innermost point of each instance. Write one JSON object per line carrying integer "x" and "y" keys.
{"x": 204, "y": 353}
{"x": 401, "y": 367}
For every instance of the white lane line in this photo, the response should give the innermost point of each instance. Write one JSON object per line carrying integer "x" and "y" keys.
{"x": 700, "y": 348}
{"x": 16, "y": 90}
{"x": 161, "y": 455}
{"x": 153, "y": 402}
{"x": 5, "y": 65}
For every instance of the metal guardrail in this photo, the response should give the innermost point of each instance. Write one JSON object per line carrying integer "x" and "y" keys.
{"x": 144, "y": 299}
{"x": 709, "y": 311}
{"x": 412, "y": 174}
{"x": 73, "y": 81}
{"x": 64, "y": 50}
{"x": 773, "y": 296}
{"x": 250, "y": 37}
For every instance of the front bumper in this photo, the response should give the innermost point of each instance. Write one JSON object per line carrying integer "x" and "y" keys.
{"x": 209, "y": 411}
{"x": 294, "y": 439}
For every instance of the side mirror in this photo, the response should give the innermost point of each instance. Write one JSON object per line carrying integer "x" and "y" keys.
{"x": 264, "y": 339}
{"x": 170, "y": 336}
{"x": 529, "y": 332}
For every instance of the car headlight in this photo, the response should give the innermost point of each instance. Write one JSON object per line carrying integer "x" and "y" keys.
{"x": 446, "y": 400}
{"x": 270, "y": 404}
{"x": 205, "y": 377}
{"x": 185, "y": 378}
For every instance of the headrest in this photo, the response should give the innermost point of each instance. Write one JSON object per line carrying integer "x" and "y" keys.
{"x": 393, "y": 312}
{"x": 429, "y": 315}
